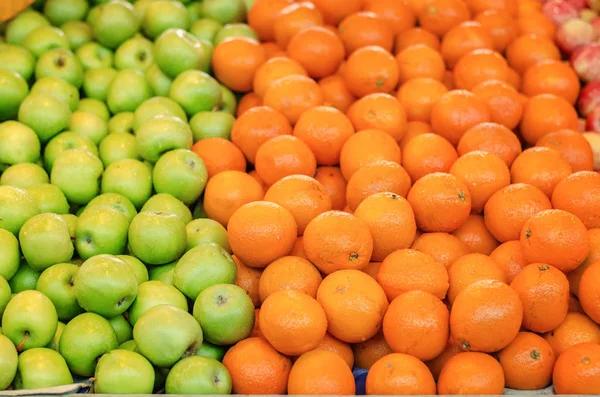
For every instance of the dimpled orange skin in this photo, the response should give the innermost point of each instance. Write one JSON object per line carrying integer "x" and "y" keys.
{"x": 292, "y": 273}
{"x": 336, "y": 240}
{"x": 380, "y": 111}
{"x": 468, "y": 270}
{"x": 541, "y": 167}
{"x": 471, "y": 373}
{"x": 577, "y": 328}
{"x": 557, "y": 238}
{"x": 443, "y": 247}
{"x": 293, "y": 95}
{"x": 579, "y": 194}
{"x": 399, "y": 373}
{"x": 577, "y": 370}
{"x": 509, "y": 256}
{"x": 589, "y": 292}
{"x": 321, "y": 372}
{"x": 282, "y": 156}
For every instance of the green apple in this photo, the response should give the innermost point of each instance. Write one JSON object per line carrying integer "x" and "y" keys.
{"x": 60, "y": 63}
{"x": 198, "y": 375}
{"x": 177, "y": 50}
{"x": 159, "y": 82}
{"x": 43, "y": 231}
{"x": 29, "y": 320}
{"x": 115, "y": 147}
{"x": 196, "y": 91}
{"x": 61, "y": 11}
{"x": 46, "y": 114}
{"x": 24, "y": 279}
{"x": 121, "y": 123}
{"x": 117, "y": 201}
{"x": 164, "y": 202}
{"x": 165, "y": 334}
{"x": 228, "y": 101}
{"x": 201, "y": 231}
{"x": 135, "y": 53}
{"x": 212, "y": 351}
{"x": 16, "y": 207}
{"x": 93, "y": 56}
{"x": 199, "y": 212}
{"x": 78, "y": 33}
{"x": 123, "y": 372}
{"x": 163, "y": 273}
{"x": 128, "y": 177}
{"x": 139, "y": 269}
{"x": 49, "y": 198}
{"x": 157, "y": 106}
{"x": 56, "y": 339}
{"x": 10, "y": 256}
{"x": 93, "y": 14}
{"x": 59, "y": 88}
{"x": 211, "y": 125}
{"x": 5, "y": 295}
{"x": 194, "y": 10}
{"x": 63, "y": 142}
{"x": 94, "y": 106}
{"x": 40, "y": 368}
{"x": 234, "y": 30}
{"x": 20, "y": 144}
{"x": 128, "y": 90}
{"x": 89, "y": 125}
{"x": 224, "y": 11}
{"x": 76, "y": 172}
{"x": 9, "y": 361}
{"x": 162, "y": 134}
{"x": 85, "y": 338}
{"x": 205, "y": 29}
{"x": 72, "y": 222}
{"x": 129, "y": 345}
{"x": 115, "y": 22}
{"x": 157, "y": 238}
{"x": 96, "y": 82}
{"x": 18, "y": 60}
{"x": 45, "y": 38}
{"x": 181, "y": 173}
{"x": 105, "y": 285}
{"x": 56, "y": 282}
{"x": 122, "y": 328}
{"x": 24, "y": 175}
{"x": 154, "y": 293}
{"x": 162, "y": 15}
{"x": 101, "y": 229}
{"x": 22, "y": 24}
{"x": 225, "y": 313}
{"x": 13, "y": 90}
{"x": 249, "y": 4}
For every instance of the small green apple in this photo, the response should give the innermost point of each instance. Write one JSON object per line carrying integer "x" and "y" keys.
{"x": 201, "y": 231}
{"x": 10, "y": 255}
{"x": 20, "y": 143}
{"x": 164, "y": 202}
{"x": 76, "y": 172}
{"x": 205, "y": 29}
{"x": 40, "y": 368}
{"x": 72, "y": 222}
{"x": 196, "y": 91}
{"x": 198, "y": 375}
{"x": 60, "y": 63}
{"x": 115, "y": 147}
{"x": 199, "y": 212}
{"x": 139, "y": 269}
{"x": 165, "y": 334}
{"x": 212, "y": 351}
{"x": 154, "y": 293}
{"x": 85, "y": 338}
{"x": 21, "y": 25}
{"x": 124, "y": 372}
{"x": 17, "y": 59}
{"x": 44, "y": 38}
{"x": 176, "y": 51}
{"x": 182, "y": 174}
{"x": 224, "y": 11}
{"x": 128, "y": 177}
{"x": 228, "y": 101}
{"x": 93, "y": 56}
{"x": 59, "y": 88}
{"x": 194, "y": 10}
{"x": 24, "y": 279}
{"x": 234, "y": 30}
{"x": 101, "y": 229}
{"x": 49, "y": 198}
{"x": 96, "y": 107}
{"x": 115, "y": 22}
{"x": 129, "y": 345}
{"x": 159, "y": 82}
{"x": 128, "y": 90}
{"x": 89, "y": 125}
{"x": 5, "y": 295}
{"x": 157, "y": 238}
{"x": 16, "y": 207}
{"x": 162, "y": 134}
{"x": 163, "y": 273}
{"x": 96, "y": 82}
{"x": 135, "y": 53}
{"x": 56, "y": 339}
{"x": 61, "y": 11}
{"x": 13, "y": 90}
{"x": 56, "y": 282}
{"x": 63, "y": 142}
{"x": 24, "y": 175}
{"x": 43, "y": 231}
{"x": 122, "y": 328}
{"x": 9, "y": 361}
{"x": 121, "y": 123}
{"x": 78, "y": 33}
{"x": 211, "y": 125}
{"x": 46, "y": 114}
{"x": 157, "y": 106}
{"x": 117, "y": 201}
{"x": 162, "y": 15}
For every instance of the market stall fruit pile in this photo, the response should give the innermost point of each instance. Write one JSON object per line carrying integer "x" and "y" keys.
{"x": 277, "y": 196}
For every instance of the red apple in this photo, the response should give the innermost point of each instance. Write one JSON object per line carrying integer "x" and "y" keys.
{"x": 577, "y": 4}
{"x": 574, "y": 33}
{"x": 588, "y": 15}
{"x": 593, "y": 121}
{"x": 589, "y": 98}
{"x": 559, "y": 11}
{"x": 595, "y": 22}
{"x": 586, "y": 62}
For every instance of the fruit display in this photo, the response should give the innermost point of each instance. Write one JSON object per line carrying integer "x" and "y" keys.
{"x": 301, "y": 197}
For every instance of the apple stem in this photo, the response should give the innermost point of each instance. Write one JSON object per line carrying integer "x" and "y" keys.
{"x": 20, "y": 345}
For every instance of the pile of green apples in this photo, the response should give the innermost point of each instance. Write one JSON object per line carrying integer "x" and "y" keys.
{"x": 109, "y": 268}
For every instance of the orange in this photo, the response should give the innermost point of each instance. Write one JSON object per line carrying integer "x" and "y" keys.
{"x": 262, "y": 15}
{"x": 336, "y": 10}
{"x": 579, "y": 194}
{"x": 509, "y": 256}
{"x": 365, "y": 147}
{"x": 414, "y": 128}
{"x": 544, "y": 292}
{"x": 448, "y": 80}
{"x": 574, "y": 305}
{"x": 254, "y": 175}
{"x": 273, "y": 70}
{"x": 342, "y": 349}
{"x": 479, "y": 66}
{"x": 557, "y": 238}
{"x": 426, "y": 154}
{"x": 576, "y": 329}
{"x": 441, "y": 202}
{"x": 321, "y": 372}
{"x": 503, "y": 100}
{"x": 420, "y": 60}
{"x": 371, "y": 69}
{"x": 333, "y": 181}
{"x": 398, "y": 15}
{"x": 414, "y": 36}
{"x": 235, "y": 61}
{"x": 318, "y": 50}
{"x": 257, "y": 368}
{"x": 573, "y": 146}
{"x": 365, "y": 28}
{"x": 455, "y": 112}
{"x": 247, "y": 102}
{"x": 378, "y": 177}
{"x": 372, "y": 269}
{"x": 370, "y": 351}
{"x": 336, "y": 240}
{"x": 552, "y": 77}
{"x": 407, "y": 270}
{"x": 589, "y": 292}
{"x": 256, "y": 330}
{"x": 490, "y": 332}
{"x": 354, "y": 304}
{"x": 469, "y": 269}
{"x": 476, "y": 236}
{"x": 527, "y": 362}
{"x": 577, "y": 370}
{"x": 442, "y": 247}
{"x": 436, "y": 364}
{"x": 272, "y": 50}
{"x": 439, "y": 16}
{"x": 298, "y": 249}
{"x": 293, "y": 95}
{"x": 248, "y": 278}
{"x": 528, "y": 50}
{"x": 391, "y": 222}
{"x": 500, "y": 25}
{"x": 537, "y": 24}
{"x": 541, "y": 167}
{"x": 594, "y": 255}
{"x": 462, "y": 39}
{"x": 399, "y": 374}
{"x": 255, "y": 127}
{"x": 471, "y": 373}
{"x": 219, "y": 155}
{"x": 227, "y": 191}
{"x": 336, "y": 93}
{"x": 508, "y": 6}
{"x": 282, "y": 156}
{"x": 509, "y": 208}
{"x": 418, "y": 95}
{"x": 325, "y": 130}
{"x": 379, "y": 111}
{"x": 292, "y": 321}
{"x": 294, "y": 18}
{"x": 526, "y": 7}
{"x": 254, "y": 227}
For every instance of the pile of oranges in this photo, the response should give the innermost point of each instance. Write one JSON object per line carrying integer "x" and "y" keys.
{"x": 421, "y": 201}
